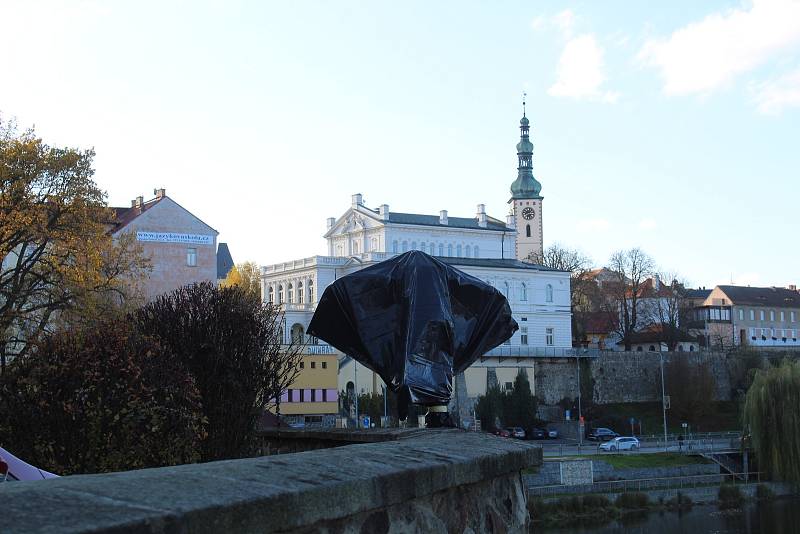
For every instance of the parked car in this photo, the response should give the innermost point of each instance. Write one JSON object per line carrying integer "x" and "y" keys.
{"x": 516, "y": 432}
{"x": 552, "y": 433}
{"x": 602, "y": 434}
{"x": 503, "y": 433}
{"x": 537, "y": 433}
{"x": 620, "y": 444}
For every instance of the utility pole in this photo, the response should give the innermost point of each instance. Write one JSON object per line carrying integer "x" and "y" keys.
{"x": 663, "y": 398}
{"x": 355, "y": 393}
{"x": 580, "y": 414}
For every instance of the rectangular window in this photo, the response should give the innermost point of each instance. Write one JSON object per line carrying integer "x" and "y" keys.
{"x": 549, "y": 337}
{"x": 324, "y": 365}
{"x": 791, "y": 316}
{"x": 509, "y": 386}
{"x": 302, "y": 365}
{"x": 761, "y": 315}
{"x": 313, "y": 365}
{"x": 772, "y": 315}
{"x": 741, "y": 315}
{"x": 523, "y": 338}
{"x": 313, "y": 395}
{"x": 783, "y": 317}
{"x": 752, "y": 315}
{"x": 191, "y": 257}
{"x": 324, "y": 395}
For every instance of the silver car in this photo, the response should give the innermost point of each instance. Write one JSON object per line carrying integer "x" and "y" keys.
{"x": 620, "y": 444}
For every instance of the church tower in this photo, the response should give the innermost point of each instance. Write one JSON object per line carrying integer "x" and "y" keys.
{"x": 526, "y": 202}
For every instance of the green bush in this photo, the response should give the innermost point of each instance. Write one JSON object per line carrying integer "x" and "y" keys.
{"x": 632, "y": 501}
{"x": 100, "y": 398}
{"x": 730, "y": 496}
{"x": 764, "y": 493}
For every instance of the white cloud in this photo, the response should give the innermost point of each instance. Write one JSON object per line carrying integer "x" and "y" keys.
{"x": 565, "y": 21}
{"x": 647, "y": 223}
{"x": 581, "y": 71}
{"x": 538, "y": 22}
{"x": 592, "y": 225}
{"x": 773, "y": 96}
{"x": 708, "y": 55}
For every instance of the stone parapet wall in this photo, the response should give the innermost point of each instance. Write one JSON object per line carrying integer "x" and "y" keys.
{"x": 437, "y": 481}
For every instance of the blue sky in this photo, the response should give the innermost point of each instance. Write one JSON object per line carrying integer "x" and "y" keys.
{"x": 673, "y": 127}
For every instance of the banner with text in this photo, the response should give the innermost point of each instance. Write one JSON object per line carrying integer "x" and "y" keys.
{"x": 170, "y": 237}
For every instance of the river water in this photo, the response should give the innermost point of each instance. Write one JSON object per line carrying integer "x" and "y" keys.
{"x": 781, "y": 516}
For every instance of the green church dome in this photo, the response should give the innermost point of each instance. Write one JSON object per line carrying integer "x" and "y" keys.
{"x": 525, "y": 186}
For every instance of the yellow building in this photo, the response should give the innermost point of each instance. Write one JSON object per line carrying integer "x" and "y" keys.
{"x": 314, "y": 394}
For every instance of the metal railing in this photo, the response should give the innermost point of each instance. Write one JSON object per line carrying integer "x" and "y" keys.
{"x": 644, "y": 484}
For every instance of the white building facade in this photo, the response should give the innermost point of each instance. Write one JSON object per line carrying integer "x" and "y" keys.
{"x": 482, "y": 246}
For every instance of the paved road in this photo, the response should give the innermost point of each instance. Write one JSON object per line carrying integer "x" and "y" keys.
{"x": 565, "y": 448}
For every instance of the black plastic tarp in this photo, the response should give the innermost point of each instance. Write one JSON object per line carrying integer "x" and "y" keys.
{"x": 415, "y": 321}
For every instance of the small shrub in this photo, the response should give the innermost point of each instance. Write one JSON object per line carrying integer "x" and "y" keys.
{"x": 632, "y": 501}
{"x": 536, "y": 508}
{"x": 730, "y": 496}
{"x": 679, "y": 502}
{"x": 596, "y": 501}
{"x": 764, "y": 493}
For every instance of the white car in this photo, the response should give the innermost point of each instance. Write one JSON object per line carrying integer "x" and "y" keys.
{"x": 620, "y": 444}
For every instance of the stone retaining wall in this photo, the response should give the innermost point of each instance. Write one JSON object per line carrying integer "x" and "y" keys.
{"x": 436, "y": 481}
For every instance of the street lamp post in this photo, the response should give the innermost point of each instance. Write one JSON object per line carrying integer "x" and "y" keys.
{"x": 580, "y": 414}
{"x": 663, "y": 397}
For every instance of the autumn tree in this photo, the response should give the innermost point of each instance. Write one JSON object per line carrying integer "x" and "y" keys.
{"x": 583, "y": 290}
{"x": 245, "y": 275}
{"x": 691, "y": 387}
{"x": 622, "y": 296}
{"x": 56, "y": 255}
{"x": 100, "y": 398}
{"x": 232, "y": 344}
{"x": 668, "y": 306}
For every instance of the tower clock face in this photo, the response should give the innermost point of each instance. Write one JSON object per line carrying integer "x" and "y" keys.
{"x": 528, "y": 213}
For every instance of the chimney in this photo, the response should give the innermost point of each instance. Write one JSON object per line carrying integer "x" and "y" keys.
{"x": 383, "y": 211}
{"x": 331, "y": 221}
{"x": 358, "y": 200}
{"x": 482, "y": 215}
{"x": 160, "y": 193}
{"x": 443, "y": 217}
{"x": 511, "y": 222}
{"x": 138, "y": 202}
{"x": 792, "y": 287}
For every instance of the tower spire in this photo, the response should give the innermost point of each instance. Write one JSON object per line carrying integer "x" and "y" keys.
{"x": 525, "y": 186}
{"x": 524, "y": 97}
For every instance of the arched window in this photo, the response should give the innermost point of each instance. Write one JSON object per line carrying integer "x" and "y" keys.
{"x": 405, "y": 246}
{"x": 432, "y": 250}
{"x": 339, "y": 250}
{"x": 652, "y": 348}
{"x": 523, "y": 295}
{"x": 271, "y": 295}
{"x": 680, "y": 348}
{"x": 450, "y": 249}
{"x": 290, "y": 293}
{"x": 477, "y": 254}
{"x": 639, "y": 348}
{"x": 394, "y": 247}
{"x": 548, "y": 293}
{"x": 506, "y": 289}
{"x": 527, "y": 230}
{"x": 300, "y": 292}
{"x": 441, "y": 249}
{"x": 310, "y": 291}
{"x": 458, "y": 251}
{"x": 691, "y": 348}
{"x": 469, "y": 251}
{"x": 280, "y": 294}
{"x": 297, "y": 333}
